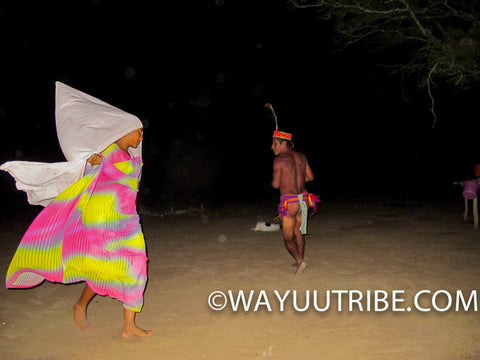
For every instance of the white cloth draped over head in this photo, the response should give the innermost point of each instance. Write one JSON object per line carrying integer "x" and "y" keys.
{"x": 85, "y": 126}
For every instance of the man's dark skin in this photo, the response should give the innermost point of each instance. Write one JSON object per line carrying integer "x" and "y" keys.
{"x": 290, "y": 173}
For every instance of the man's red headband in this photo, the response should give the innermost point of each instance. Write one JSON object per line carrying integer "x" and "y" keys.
{"x": 282, "y": 135}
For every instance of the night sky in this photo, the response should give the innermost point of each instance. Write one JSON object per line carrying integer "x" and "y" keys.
{"x": 198, "y": 73}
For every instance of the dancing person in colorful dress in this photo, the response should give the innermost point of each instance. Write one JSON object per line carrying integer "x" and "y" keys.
{"x": 90, "y": 231}
{"x": 291, "y": 171}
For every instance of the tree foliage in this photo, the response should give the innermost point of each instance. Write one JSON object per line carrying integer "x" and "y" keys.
{"x": 439, "y": 38}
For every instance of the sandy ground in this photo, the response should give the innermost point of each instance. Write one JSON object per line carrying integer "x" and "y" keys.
{"x": 352, "y": 245}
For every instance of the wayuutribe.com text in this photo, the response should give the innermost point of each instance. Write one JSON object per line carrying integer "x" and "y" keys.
{"x": 344, "y": 300}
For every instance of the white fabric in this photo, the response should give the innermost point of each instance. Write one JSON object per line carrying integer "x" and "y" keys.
{"x": 44, "y": 181}
{"x": 85, "y": 126}
{"x": 264, "y": 226}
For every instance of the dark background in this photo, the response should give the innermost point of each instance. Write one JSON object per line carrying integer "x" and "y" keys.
{"x": 198, "y": 73}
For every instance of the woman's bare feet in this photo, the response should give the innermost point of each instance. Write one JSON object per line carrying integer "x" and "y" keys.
{"x": 130, "y": 330}
{"x": 300, "y": 268}
{"x": 80, "y": 308}
{"x": 80, "y": 317}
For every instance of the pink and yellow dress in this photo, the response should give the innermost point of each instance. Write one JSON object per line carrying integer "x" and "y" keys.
{"x": 90, "y": 232}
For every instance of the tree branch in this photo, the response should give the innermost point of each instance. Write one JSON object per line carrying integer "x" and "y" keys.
{"x": 432, "y": 109}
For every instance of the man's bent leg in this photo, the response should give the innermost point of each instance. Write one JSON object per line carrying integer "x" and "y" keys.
{"x": 300, "y": 244}
{"x": 299, "y": 238}
{"x": 288, "y": 224}
{"x": 288, "y": 229}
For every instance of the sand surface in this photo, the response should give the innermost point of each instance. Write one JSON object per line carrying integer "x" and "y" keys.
{"x": 352, "y": 245}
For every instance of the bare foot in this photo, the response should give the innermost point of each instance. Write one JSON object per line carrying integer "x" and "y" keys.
{"x": 130, "y": 330}
{"x": 80, "y": 317}
{"x": 300, "y": 268}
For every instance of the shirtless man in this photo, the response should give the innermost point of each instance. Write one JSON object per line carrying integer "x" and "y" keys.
{"x": 290, "y": 172}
